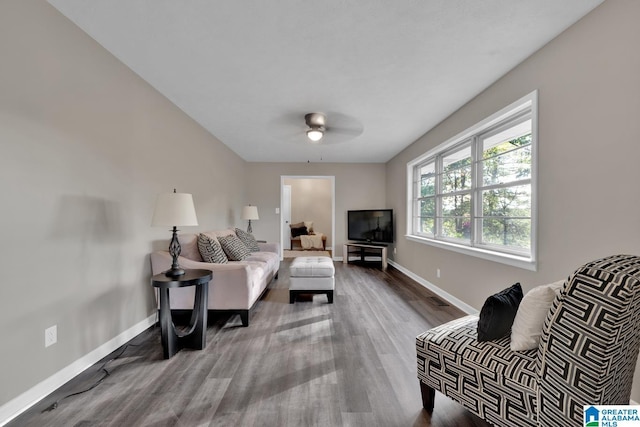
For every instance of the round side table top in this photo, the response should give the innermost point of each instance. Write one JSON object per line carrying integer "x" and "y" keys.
{"x": 189, "y": 278}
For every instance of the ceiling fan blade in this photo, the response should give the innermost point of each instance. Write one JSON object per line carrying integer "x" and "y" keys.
{"x": 338, "y": 127}
{"x": 346, "y": 131}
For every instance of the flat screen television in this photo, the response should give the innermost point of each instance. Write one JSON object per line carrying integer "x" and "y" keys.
{"x": 372, "y": 225}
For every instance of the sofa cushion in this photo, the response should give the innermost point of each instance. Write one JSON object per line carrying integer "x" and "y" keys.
{"x": 498, "y": 312}
{"x": 188, "y": 246}
{"x": 247, "y": 238}
{"x": 210, "y": 249}
{"x": 529, "y": 320}
{"x": 271, "y": 260}
{"x": 233, "y": 247}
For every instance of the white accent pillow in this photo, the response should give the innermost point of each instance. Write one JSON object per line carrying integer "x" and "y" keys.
{"x": 309, "y": 225}
{"x": 529, "y": 321}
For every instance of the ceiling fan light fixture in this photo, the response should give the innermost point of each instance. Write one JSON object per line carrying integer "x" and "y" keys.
{"x": 315, "y": 134}
{"x": 316, "y": 123}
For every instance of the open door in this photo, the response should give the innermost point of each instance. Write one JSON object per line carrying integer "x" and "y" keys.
{"x": 308, "y": 198}
{"x": 285, "y": 219}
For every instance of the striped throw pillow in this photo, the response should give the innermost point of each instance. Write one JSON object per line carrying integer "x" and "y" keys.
{"x": 247, "y": 238}
{"x": 210, "y": 249}
{"x": 233, "y": 247}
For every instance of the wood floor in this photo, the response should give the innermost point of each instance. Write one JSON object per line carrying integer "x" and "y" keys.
{"x": 351, "y": 363}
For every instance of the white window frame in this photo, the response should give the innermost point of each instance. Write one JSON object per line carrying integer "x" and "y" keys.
{"x": 528, "y": 103}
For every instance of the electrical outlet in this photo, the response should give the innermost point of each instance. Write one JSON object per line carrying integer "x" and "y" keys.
{"x": 51, "y": 335}
{"x": 438, "y": 272}
{"x": 395, "y": 251}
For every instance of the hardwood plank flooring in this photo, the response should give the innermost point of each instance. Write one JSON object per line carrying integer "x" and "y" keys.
{"x": 350, "y": 363}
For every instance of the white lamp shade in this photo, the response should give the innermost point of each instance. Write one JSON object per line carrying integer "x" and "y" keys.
{"x": 174, "y": 209}
{"x": 250, "y": 212}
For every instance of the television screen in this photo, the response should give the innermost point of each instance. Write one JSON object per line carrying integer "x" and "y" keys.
{"x": 374, "y": 225}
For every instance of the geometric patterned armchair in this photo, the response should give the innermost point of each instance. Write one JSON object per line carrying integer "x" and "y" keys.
{"x": 587, "y": 354}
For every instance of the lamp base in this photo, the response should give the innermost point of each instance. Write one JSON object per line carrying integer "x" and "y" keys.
{"x": 174, "y": 272}
{"x": 174, "y": 250}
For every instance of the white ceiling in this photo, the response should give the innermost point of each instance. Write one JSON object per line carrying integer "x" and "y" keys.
{"x": 384, "y": 72}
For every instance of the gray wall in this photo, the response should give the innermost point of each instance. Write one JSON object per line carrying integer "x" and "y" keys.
{"x": 358, "y": 186}
{"x": 589, "y": 145}
{"x": 86, "y": 147}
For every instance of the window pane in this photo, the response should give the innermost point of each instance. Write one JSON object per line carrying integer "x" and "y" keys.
{"x": 458, "y": 205}
{"x": 508, "y": 167}
{"x": 507, "y": 202}
{"x": 509, "y": 232}
{"x": 427, "y": 214}
{"x": 427, "y": 225}
{"x": 458, "y": 228}
{"x": 456, "y": 169}
{"x": 428, "y": 180}
{"x": 456, "y": 180}
{"x": 513, "y": 137}
{"x": 457, "y": 159}
{"x": 428, "y": 207}
{"x": 456, "y": 216}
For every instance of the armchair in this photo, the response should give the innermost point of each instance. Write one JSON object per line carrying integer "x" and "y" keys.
{"x": 304, "y": 236}
{"x": 587, "y": 354}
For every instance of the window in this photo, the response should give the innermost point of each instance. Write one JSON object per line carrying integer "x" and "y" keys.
{"x": 476, "y": 192}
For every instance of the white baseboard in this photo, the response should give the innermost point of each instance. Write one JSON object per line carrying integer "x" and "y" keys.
{"x": 436, "y": 290}
{"x": 18, "y": 405}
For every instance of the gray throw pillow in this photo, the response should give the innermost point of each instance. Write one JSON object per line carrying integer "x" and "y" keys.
{"x": 233, "y": 247}
{"x": 210, "y": 249}
{"x": 247, "y": 238}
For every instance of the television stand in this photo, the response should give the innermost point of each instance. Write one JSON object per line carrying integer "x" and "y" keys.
{"x": 364, "y": 249}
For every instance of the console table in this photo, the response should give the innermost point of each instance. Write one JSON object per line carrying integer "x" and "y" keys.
{"x": 197, "y": 336}
{"x": 364, "y": 249}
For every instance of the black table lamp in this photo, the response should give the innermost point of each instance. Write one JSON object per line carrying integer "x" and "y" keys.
{"x": 174, "y": 210}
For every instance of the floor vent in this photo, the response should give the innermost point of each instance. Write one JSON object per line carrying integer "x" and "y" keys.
{"x": 437, "y": 301}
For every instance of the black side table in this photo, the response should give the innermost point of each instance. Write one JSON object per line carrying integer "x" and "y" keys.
{"x": 197, "y": 336}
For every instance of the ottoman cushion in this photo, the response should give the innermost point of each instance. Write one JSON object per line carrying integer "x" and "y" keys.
{"x": 312, "y": 267}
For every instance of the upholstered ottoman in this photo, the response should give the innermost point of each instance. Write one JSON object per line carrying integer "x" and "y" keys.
{"x": 311, "y": 275}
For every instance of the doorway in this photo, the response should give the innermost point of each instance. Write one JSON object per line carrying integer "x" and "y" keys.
{"x": 307, "y": 198}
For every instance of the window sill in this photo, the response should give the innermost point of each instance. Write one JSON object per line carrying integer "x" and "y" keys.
{"x": 512, "y": 260}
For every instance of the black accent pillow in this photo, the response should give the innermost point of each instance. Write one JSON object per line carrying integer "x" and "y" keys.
{"x": 498, "y": 312}
{"x": 299, "y": 231}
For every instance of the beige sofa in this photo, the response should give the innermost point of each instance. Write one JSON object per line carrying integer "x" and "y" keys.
{"x": 235, "y": 286}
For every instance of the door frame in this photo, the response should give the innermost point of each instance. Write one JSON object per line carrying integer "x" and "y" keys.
{"x": 332, "y": 180}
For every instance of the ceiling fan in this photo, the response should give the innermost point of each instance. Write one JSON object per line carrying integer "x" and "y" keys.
{"x": 316, "y": 123}
{"x": 342, "y": 127}
{"x": 328, "y": 127}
